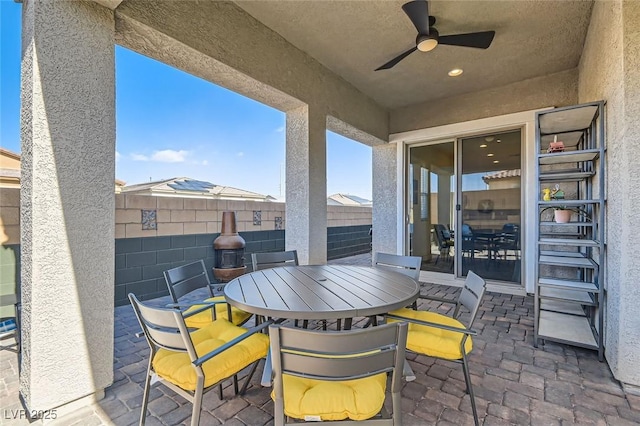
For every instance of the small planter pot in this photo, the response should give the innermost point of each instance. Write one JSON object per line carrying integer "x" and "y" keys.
{"x": 562, "y": 216}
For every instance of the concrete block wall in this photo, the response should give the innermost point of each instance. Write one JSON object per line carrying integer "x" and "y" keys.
{"x": 140, "y": 262}
{"x": 186, "y": 228}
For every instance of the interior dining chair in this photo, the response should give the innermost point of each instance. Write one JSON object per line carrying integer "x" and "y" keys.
{"x": 440, "y": 336}
{"x": 444, "y": 241}
{"x": 193, "y": 276}
{"x": 191, "y": 363}
{"x": 509, "y": 239}
{"x": 323, "y": 376}
{"x": 10, "y": 326}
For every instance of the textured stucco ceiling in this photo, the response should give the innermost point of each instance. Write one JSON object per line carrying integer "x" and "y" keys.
{"x": 352, "y": 38}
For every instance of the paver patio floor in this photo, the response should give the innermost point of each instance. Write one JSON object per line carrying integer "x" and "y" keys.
{"x": 514, "y": 382}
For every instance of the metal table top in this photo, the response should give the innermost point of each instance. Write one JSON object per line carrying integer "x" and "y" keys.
{"x": 321, "y": 292}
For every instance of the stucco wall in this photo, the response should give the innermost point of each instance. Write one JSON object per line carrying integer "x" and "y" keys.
{"x": 67, "y": 218}
{"x": 559, "y": 89}
{"x": 609, "y": 70}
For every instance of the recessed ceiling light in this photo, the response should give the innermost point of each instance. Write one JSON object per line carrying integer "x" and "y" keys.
{"x": 489, "y": 155}
{"x": 455, "y": 72}
{"x": 496, "y": 161}
{"x": 489, "y": 138}
{"x": 498, "y": 140}
{"x": 484, "y": 145}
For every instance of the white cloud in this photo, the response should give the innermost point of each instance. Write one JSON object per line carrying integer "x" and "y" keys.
{"x": 170, "y": 156}
{"x": 205, "y": 163}
{"x": 164, "y": 156}
{"x": 240, "y": 154}
{"x": 139, "y": 157}
{"x": 280, "y": 129}
{"x": 118, "y": 156}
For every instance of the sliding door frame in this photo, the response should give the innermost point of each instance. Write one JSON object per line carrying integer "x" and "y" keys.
{"x": 522, "y": 120}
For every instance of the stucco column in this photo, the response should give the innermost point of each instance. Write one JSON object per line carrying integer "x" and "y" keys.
{"x": 67, "y": 203}
{"x": 385, "y": 199}
{"x": 624, "y": 193}
{"x": 306, "y": 199}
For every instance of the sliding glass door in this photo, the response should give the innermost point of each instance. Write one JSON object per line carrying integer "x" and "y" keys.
{"x": 430, "y": 205}
{"x": 463, "y": 204}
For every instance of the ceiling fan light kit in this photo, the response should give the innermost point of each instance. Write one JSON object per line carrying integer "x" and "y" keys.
{"x": 426, "y": 43}
{"x": 428, "y": 37}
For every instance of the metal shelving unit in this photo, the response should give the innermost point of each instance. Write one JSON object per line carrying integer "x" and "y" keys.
{"x": 569, "y": 293}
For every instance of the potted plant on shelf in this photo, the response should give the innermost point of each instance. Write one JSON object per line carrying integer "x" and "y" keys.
{"x": 562, "y": 214}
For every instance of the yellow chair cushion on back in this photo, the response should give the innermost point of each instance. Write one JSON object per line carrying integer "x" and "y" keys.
{"x": 433, "y": 341}
{"x": 176, "y": 367}
{"x": 358, "y": 399}
{"x": 204, "y": 318}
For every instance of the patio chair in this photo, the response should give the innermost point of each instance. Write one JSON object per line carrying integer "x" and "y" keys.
{"x": 193, "y": 276}
{"x": 407, "y": 265}
{"x": 439, "y": 336}
{"x": 274, "y": 259}
{"x": 10, "y": 326}
{"x": 192, "y": 363}
{"x": 322, "y": 376}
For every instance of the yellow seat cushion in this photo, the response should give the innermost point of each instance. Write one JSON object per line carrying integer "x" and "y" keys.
{"x": 176, "y": 367}
{"x": 433, "y": 341}
{"x": 358, "y": 399}
{"x": 204, "y": 318}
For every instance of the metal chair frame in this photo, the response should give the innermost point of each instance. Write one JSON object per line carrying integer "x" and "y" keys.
{"x": 165, "y": 328}
{"x": 338, "y": 356}
{"x": 8, "y": 300}
{"x": 470, "y": 298}
{"x": 268, "y": 260}
{"x": 184, "y": 279}
{"x": 275, "y": 259}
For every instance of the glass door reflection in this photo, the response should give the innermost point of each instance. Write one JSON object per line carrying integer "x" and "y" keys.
{"x": 430, "y": 203}
{"x": 490, "y": 199}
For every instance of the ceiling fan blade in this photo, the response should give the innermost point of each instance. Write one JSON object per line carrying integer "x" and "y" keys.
{"x": 397, "y": 59}
{"x": 418, "y": 12}
{"x": 480, "y": 40}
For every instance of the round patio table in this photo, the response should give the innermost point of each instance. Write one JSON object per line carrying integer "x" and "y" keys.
{"x": 321, "y": 292}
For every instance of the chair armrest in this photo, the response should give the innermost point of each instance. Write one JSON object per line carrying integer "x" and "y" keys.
{"x": 468, "y": 331}
{"x": 203, "y": 307}
{"x": 231, "y": 343}
{"x": 438, "y": 299}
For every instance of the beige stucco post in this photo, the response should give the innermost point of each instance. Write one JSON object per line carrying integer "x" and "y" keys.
{"x": 385, "y": 199}
{"x": 67, "y": 203}
{"x": 306, "y": 182}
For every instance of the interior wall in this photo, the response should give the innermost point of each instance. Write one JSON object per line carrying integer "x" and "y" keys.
{"x": 609, "y": 70}
{"x": 559, "y": 89}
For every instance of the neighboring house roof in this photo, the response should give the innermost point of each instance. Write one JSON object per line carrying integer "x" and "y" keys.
{"x": 186, "y": 187}
{"x": 348, "y": 200}
{"x": 502, "y": 174}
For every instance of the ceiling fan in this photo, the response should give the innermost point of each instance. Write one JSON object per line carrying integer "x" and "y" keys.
{"x": 428, "y": 37}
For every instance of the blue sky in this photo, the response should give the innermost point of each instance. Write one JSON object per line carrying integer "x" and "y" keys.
{"x": 170, "y": 124}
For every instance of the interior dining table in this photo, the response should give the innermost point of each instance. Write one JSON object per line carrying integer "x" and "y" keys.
{"x": 320, "y": 292}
